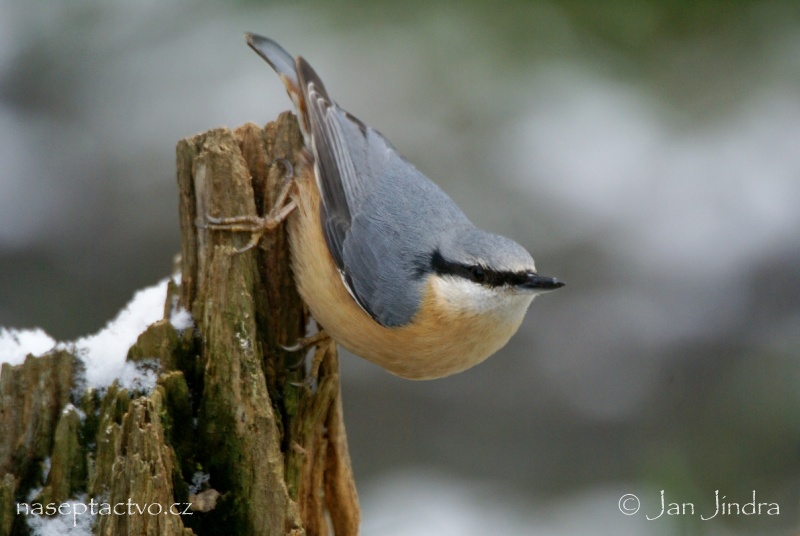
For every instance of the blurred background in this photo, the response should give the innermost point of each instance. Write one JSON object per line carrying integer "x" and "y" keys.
{"x": 647, "y": 152}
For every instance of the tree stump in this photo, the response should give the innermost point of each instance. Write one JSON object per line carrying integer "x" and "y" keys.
{"x": 230, "y": 403}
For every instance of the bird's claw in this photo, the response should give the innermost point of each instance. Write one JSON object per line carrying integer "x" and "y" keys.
{"x": 257, "y": 225}
{"x": 305, "y": 343}
{"x": 322, "y": 341}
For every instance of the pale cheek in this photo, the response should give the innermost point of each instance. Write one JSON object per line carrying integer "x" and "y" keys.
{"x": 469, "y": 298}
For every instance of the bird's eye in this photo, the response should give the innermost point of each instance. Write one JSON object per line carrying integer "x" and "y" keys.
{"x": 478, "y": 274}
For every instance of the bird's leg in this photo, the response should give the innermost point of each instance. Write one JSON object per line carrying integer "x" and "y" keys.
{"x": 256, "y": 225}
{"x": 323, "y": 343}
{"x": 305, "y": 343}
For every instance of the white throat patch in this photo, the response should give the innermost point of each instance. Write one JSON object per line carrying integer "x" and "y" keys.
{"x": 466, "y": 297}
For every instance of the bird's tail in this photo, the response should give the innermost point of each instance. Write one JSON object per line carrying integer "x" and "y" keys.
{"x": 286, "y": 67}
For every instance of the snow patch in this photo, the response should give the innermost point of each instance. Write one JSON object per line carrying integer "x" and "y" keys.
{"x": 16, "y": 344}
{"x": 104, "y": 353}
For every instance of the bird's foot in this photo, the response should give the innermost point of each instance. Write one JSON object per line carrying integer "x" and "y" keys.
{"x": 323, "y": 342}
{"x": 304, "y": 343}
{"x": 257, "y": 225}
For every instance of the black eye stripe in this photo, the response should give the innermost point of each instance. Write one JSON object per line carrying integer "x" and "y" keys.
{"x": 478, "y": 274}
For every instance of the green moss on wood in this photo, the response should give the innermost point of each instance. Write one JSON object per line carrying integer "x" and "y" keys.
{"x": 178, "y": 423}
{"x": 8, "y": 491}
{"x": 68, "y": 462}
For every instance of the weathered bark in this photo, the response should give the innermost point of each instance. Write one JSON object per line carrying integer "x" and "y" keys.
{"x": 8, "y": 491}
{"x": 230, "y": 402}
{"x": 143, "y": 472}
{"x": 32, "y": 396}
{"x": 68, "y": 462}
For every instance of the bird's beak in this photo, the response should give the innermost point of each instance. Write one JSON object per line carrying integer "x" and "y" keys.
{"x": 540, "y": 283}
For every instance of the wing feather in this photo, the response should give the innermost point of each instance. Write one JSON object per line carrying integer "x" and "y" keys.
{"x": 378, "y": 212}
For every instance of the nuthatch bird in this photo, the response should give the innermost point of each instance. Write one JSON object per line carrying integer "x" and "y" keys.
{"x": 385, "y": 260}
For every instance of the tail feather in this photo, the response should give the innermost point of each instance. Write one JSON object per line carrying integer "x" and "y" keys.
{"x": 286, "y": 67}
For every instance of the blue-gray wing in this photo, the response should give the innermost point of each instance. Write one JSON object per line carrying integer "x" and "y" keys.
{"x": 380, "y": 214}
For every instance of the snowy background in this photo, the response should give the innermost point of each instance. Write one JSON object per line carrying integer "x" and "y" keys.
{"x": 648, "y": 153}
